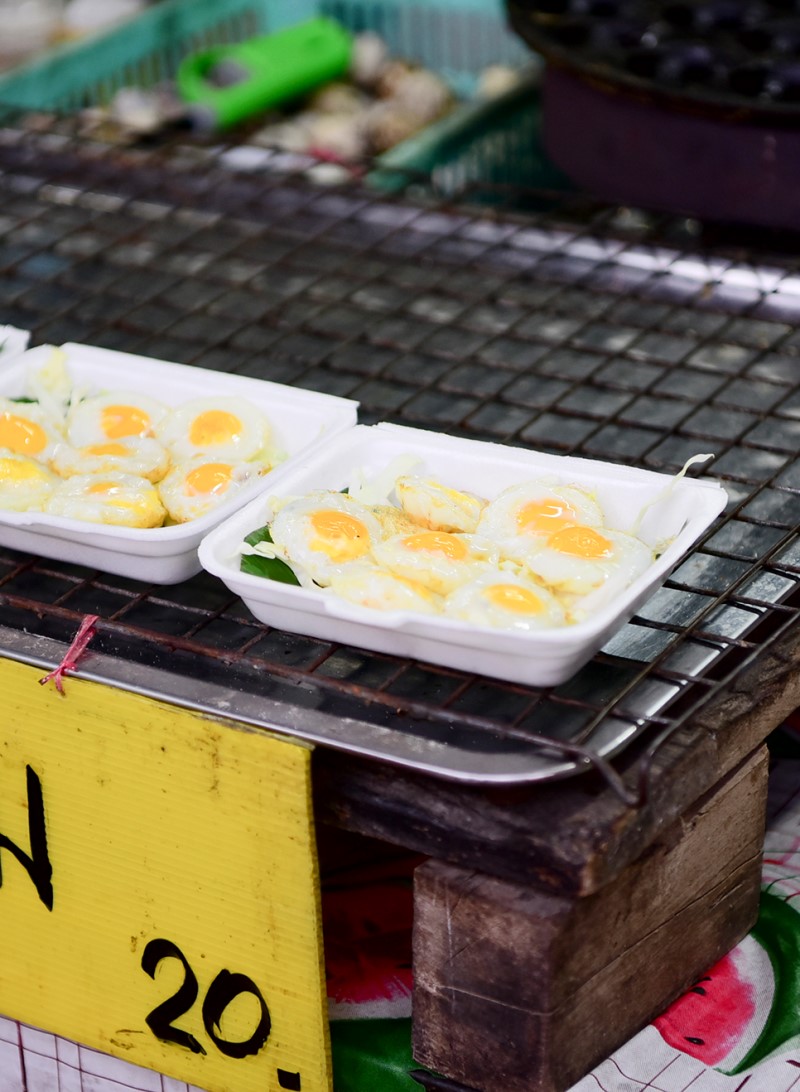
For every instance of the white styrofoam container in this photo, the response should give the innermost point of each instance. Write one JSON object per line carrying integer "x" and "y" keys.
{"x": 162, "y": 555}
{"x": 543, "y": 658}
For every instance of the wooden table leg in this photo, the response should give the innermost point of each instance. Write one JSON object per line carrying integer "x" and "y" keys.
{"x": 521, "y": 990}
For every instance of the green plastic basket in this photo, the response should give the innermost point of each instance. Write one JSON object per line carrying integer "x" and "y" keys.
{"x": 455, "y": 38}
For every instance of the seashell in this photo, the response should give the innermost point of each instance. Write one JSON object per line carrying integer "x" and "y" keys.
{"x": 139, "y": 110}
{"x": 422, "y": 94}
{"x": 390, "y": 75}
{"x": 369, "y": 56}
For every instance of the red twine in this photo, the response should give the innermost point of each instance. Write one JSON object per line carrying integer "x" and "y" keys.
{"x": 81, "y": 639}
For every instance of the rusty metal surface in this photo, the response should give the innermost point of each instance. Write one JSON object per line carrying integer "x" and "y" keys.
{"x": 552, "y": 324}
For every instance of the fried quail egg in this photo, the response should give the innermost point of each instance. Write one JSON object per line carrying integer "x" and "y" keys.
{"x": 226, "y": 427}
{"x": 524, "y": 514}
{"x": 25, "y": 484}
{"x": 142, "y": 456}
{"x": 382, "y": 590}
{"x": 324, "y": 534}
{"x": 505, "y": 601}
{"x": 26, "y": 430}
{"x": 197, "y": 485}
{"x": 577, "y": 559}
{"x": 113, "y": 416}
{"x": 440, "y": 560}
{"x": 121, "y": 499}
{"x": 438, "y": 507}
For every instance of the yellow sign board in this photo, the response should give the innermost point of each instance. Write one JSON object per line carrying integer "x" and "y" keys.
{"x": 159, "y": 894}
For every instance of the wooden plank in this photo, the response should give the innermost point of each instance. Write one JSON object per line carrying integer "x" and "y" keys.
{"x": 519, "y": 990}
{"x": 571, "y": 836}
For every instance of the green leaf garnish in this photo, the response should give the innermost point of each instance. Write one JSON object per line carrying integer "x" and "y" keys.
{"x": 270, "y": 567}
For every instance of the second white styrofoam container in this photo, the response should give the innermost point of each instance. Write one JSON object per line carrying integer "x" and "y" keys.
{"x": 681, "y": 511}
{"x": 300, "y": 419}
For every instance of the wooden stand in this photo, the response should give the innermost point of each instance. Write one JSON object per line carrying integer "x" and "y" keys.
{"x": 553, "y": 921}
{"x": 517, "y": 990}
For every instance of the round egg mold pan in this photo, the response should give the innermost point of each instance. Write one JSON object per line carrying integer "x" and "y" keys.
{"x": 300, "y": 420}
{"x": 738, "y": 59}
{"x": 681, "y": 514}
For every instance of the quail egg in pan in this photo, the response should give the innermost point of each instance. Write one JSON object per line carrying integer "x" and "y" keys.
{"x": 440, "y": 560}
{"x": 324, "y": 534}
{"x": 113, "y": 416}
{"x": 140, "y": 455}
{"x": 504, "y": 600}
{"x": 25, "y": 483}
{"x": 124, "y": 500}
{"x": 25, "y": 429}
{"x": 227, "y": 427}
{"x": 197, "y": 485}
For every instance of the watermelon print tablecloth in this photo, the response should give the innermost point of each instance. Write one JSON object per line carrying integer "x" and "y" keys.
{"x": 738, "y": 1027}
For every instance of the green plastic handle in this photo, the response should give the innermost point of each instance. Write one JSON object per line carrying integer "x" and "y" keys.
{"x": 230, "y": 83}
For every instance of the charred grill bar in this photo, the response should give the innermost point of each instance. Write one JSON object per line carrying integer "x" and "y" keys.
{"x": 552, "y": 323}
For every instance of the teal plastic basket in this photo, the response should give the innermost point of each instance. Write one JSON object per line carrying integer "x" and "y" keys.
{"x": 455, "y": 38}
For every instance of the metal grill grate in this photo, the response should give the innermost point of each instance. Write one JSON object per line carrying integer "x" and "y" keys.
{"x": 558, "y": 325}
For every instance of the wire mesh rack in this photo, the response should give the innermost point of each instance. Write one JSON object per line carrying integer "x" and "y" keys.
{"x": 545, "y": 321}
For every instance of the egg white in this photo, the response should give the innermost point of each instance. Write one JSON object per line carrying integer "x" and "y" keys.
{"x": 120, "y": 500}
{"x": 227, "y": 427}
{"x": 440, "y": 560}
{"x": 438, "y": 507}
{"x": 197, "y": 485}
{"x": 25, "y": 484}
{"x": 579, "y": 559}
{"x": 138, "y": 455}
{"x": 522, "y": 515}
{"x": 113, "y": 415}
{"x": 504, "y": 600}
{"x": 381, "y": 590}
{"x": 324, "y": 534}
{"x": 27, "y": 430}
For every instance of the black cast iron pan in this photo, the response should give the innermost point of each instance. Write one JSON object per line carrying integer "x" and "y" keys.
{"x": 686, "y": 106}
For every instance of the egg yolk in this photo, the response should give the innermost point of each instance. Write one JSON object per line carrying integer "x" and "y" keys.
{"x": 116, "y": 498}
{"x": 208, "y": 478}
{"x": 103, "y": 488}
{"x": 21, "y": 436}
{"x": 119, "y": 421}
{"x": 338, "y": 535}
{"x": 106, "y": 449}
{"x": 543, "y": 516}
{"x": 581, "y": 542}
{"x": 215, "y": 427}
{"x": 513, "y": 598}
{"x": 12, "y": 470}
{"x": 437, "y": 542}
